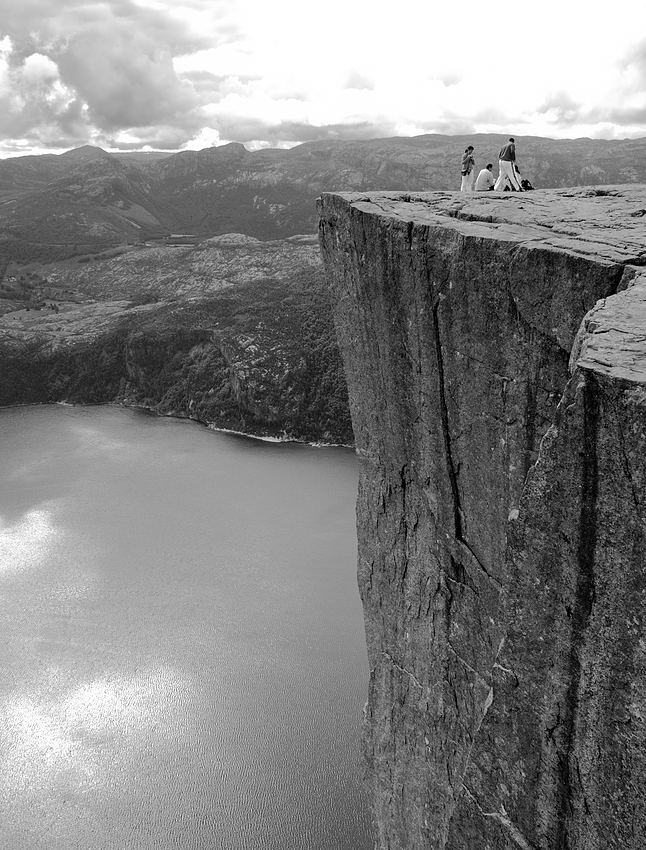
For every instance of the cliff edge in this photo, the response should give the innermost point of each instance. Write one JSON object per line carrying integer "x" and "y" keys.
{"x": 495, "y": 350}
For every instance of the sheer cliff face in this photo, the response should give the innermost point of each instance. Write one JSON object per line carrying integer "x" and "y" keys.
{"x": 501, "y": 510}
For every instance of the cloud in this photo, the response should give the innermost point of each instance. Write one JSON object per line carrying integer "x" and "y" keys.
{"x": 623, "y": 103}
{"x": 115, "y": 72}
{"x": 129, "y": 82}
{"x": 628, "y": 107}
{"x": 160, "y": 137}
{"x": 635, "y": 60}
{"x": 252, "y": 129}
{"x": 39, "y": 70}
{"x": 451, "y": 79}
{"x": 357, "y": 80}
{"x": 49, "y": 23}
{"x": 211, "y": 87}
{"x": 76, "y": 70}
{"x": 560, "y": 108}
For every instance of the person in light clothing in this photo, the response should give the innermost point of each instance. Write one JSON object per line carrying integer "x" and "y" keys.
{"x": 468, "y": 170}
{"x": 485, "y": 180}
{"x": 507, "y": 162}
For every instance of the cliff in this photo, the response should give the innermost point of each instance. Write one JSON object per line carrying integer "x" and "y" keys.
{"x": 495, "y": 351}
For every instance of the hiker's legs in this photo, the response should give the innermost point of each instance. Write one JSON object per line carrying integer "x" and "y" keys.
{"x": 499, "y": 185}
{"x": 507, "y": 175}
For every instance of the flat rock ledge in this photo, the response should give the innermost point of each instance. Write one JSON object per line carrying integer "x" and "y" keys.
{"x": 495, "y": 349}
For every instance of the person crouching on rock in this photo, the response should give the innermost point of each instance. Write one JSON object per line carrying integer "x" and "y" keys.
{"x": 485, "y": 181}
{"x": 507, "y": 164}
{"x": 468, "y": 170}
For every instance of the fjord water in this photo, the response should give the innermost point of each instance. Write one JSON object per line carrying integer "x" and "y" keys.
{"x": 183, "y": 660}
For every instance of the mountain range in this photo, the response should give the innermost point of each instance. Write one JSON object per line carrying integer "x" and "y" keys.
{"x": 54, "y": 206}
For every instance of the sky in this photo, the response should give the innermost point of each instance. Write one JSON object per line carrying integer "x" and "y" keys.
{"x": 186, "y": 74}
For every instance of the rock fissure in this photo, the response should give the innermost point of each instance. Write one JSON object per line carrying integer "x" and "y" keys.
{"x": 504, "y": 820}
{"x": 467, "y": 551}
{"x": 506, "y": 670}
{"x": 479, "y": 677}
{"x": 446, "y": 431}
{"x": 403, "y": 670}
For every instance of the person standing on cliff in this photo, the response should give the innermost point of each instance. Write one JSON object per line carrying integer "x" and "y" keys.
{"x": 507, "y": 168}
{"x": 468, "y": 170}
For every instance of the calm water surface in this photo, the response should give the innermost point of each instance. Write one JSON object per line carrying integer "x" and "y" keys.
{"x": 183, "y": 662}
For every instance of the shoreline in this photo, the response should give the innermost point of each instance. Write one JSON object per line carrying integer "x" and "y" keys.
{"x": 208, "y": 425}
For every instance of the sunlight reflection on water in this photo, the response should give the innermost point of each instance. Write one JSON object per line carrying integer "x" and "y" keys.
{"x": 183, "y": 655}
{"x": 77, "y": 733}
{"x": 25, "y": 544}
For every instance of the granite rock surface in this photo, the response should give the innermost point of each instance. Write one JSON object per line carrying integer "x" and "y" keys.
{"x": 495, "y": 350}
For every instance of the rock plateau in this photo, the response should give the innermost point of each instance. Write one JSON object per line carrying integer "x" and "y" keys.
{"x": 495, "y": 351}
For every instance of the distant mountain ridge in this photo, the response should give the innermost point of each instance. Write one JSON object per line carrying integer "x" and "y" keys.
{"x": 88, "y": 196}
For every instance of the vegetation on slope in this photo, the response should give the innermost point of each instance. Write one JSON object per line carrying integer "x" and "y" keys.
{"x": 255, "y": 351}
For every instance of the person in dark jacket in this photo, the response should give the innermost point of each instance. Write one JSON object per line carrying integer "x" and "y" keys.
{"x": 508, "y": 175}
{"x": 468, "y": 170}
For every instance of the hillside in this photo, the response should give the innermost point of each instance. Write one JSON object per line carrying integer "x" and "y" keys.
{"x": 233, "y": 332}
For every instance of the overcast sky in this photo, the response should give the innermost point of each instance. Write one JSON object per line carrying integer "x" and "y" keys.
{"x": 176, "y": 74}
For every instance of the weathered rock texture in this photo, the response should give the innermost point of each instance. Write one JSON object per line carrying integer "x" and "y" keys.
{"x": 501, "y": 508}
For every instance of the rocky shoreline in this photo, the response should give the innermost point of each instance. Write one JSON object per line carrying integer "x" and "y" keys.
{"x": 178, "y": 415}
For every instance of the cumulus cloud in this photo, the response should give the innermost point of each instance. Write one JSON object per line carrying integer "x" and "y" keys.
{"x": 38, "y": 70}
{"x": 560, "y": 108}
{"x": 451, "y": 79}
{"x": 129, "y": 82}
{"x": 73, "y": 70}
